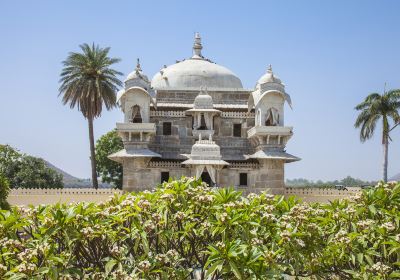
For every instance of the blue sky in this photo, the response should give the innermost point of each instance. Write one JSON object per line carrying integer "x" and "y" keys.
{"x": 330, "y": 55}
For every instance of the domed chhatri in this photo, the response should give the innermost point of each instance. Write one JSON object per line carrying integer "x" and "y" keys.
{"x": 166, "y": 121}
{"x": 195, "y": 72}
{"x": 203, "y": 100}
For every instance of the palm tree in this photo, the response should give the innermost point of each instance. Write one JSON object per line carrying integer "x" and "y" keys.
{"x": 88, "y": 82}
{"x": 378, "y": 107}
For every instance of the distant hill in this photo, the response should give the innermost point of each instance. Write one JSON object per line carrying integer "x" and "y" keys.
{"x": 74, "y": 182}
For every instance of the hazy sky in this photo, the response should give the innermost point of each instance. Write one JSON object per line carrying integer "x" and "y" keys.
{"x": 330, "y": 55}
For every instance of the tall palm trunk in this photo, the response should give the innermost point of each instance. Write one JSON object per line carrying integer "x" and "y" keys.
{"x": 385, "y": 144}
{"x": 92, "y": 154}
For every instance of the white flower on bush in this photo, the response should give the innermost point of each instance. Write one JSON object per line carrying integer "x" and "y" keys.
{"x": 256, "y": 241}
{"x": 252, "y": 196}
{"x": 87, "y": 231}
{"x": 144, "y": 204}
{"x": 27, "y": 255}
{"x": 389, "y": 226}
{"x": 341, "y": 237}
{"x": 229, "y": 205}
{"x": 380, "y": 268}
{"x": 300, "y": 242}
{"x": 285, "y": 235}
{"x": 156, "y": 217}
{"x": 320, "y": 212}
{"x": 269, "y": 208}
{"x": 223, "y": 217}
{"x": 206, "y": 198}
{"x": 26, "y": 268}
{"x": 167, "y": 196}
{"x": 268, "y": 216}
{"x": 144, "y": 265}
{"x": 206, "y": 225}
{"x": 116, "y": 250}
{"x": 365, "y": 224}
{"x": 149, "y": 226}
{"x": 349, "y": 210}
{"x": 180, "y": 215}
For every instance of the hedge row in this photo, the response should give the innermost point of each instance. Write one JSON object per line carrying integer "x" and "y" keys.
{"x": 186, "y": 230}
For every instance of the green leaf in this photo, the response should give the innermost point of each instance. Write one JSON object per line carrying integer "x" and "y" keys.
{"x": 110, "y": 265}
{"x": 235, "y": 269}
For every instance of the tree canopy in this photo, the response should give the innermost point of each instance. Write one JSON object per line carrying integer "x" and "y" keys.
{"x": 379, "y": 108}
{"x": 24, "y": 171}
{"x": 109, "y": 171}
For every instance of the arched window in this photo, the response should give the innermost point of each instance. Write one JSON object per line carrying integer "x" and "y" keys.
{"x": 272, "y": 117}
{"x": 203, "y": 125}
{"x": 136, "y": 114}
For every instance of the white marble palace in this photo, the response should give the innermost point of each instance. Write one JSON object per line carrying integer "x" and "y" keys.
{"x": 194, "y": 118}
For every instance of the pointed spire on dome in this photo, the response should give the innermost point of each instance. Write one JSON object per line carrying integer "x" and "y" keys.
{"x": 197, "y": 46}
{"x": 269, "y": 68}
{"x": 138, "y": 68}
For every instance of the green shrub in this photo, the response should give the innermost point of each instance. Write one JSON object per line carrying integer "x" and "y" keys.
{"x": 4, "y": 190}
{"x": 184, "y": 228}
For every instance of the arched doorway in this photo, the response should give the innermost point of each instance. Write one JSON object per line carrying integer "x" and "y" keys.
{"x": 205, "y": 177}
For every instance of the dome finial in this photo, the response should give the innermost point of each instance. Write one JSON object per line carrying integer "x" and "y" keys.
{"x": 138, "y": 68}
{"x": 269, "y": 68}
{"x": 197, "y": 46}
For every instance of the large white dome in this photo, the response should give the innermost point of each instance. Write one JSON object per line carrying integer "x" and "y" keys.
{"x": 195, "y": 72}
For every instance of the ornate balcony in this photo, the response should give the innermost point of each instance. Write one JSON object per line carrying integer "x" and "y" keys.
{"x": 270, "y": 131}
{"x": 136, "y": 131}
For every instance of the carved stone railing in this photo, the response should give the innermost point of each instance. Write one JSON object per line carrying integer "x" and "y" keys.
{"x": 170, "y": 114}
{"x": 244, "y": 165}
{"x": 237, "y": 115}
{"x": 164, "y": 164}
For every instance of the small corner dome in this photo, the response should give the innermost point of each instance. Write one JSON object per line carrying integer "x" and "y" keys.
{"x": 269, "y": 77}
{"x": 137, "y": 74}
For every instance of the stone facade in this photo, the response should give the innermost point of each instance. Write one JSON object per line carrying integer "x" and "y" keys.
{"x": 194, "y": 118}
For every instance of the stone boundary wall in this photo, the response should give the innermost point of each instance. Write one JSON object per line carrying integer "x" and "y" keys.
{"x": 67, "y": 195}
{"x": 50, "y": 196}
{"x": 321, "y": 194}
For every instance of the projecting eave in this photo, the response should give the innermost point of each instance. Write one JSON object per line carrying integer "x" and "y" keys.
{"x": 277, "y": 155}
{"x": 136, "y": 153}
{"x": 203, "y": 111}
